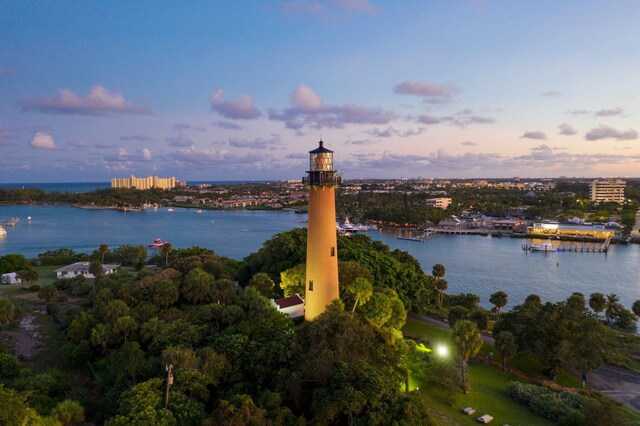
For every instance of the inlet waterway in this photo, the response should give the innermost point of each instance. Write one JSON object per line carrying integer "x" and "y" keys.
{"x": 474, "y": 264}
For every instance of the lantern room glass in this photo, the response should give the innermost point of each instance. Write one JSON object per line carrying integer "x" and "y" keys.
{"x": 321, "y": 162}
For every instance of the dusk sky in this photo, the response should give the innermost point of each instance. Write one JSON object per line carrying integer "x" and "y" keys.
{"x": 239, "y": 90}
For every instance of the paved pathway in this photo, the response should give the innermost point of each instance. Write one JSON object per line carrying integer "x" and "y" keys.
{"x": 618, "y": 383}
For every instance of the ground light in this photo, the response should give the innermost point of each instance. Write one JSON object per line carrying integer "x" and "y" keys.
{"x": 442, "y": 351}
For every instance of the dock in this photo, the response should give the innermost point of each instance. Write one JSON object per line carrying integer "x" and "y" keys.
{"x": 420, "y": 238}
{"x": 578, "y": 248}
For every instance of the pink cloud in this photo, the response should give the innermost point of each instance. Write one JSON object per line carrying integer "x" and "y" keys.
{"x": 242, "y": 108}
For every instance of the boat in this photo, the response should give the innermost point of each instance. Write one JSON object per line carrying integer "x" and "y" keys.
{"x": 347, "y": 226}
{"x": 169, "y": 209}
{"x": 547, "y": 246}
{"x": 157, "y": 244}
{"x": 3, "y": 231}
{"x": 199, "y": 211}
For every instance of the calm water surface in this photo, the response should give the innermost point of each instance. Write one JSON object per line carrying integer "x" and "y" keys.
{"x": 474, "y": 264}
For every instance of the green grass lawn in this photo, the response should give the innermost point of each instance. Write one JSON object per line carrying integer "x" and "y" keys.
{"x": 487, "y": 396}
{"x": 488, "y": 388}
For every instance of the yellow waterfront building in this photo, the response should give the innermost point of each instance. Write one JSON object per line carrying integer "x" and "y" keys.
{"x": 144, "y": 183}
{"x": 572, "y": 230}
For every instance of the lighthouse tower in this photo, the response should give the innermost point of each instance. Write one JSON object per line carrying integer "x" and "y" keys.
{"x": 322, "y": 249}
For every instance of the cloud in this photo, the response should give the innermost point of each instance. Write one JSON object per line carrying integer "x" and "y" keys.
{"x": 181, "y": 127}
{"x": 104, "y": 146}
{"x": 552, "y": 94}
{"x": 328, "y": 8}
{"x": 146, "y": 154}
{"x": 428, "y": 119}
{"x": 309, "y": 111}
{"x": 466, "y": 117}
{"x": 606, "y": 112}
{"x": 566, "y": 130}
{"x": 431, "y": 93}
{"x": 241, "y": 109}
{"x": 536, "y": 134}
{"x": 578, "y": 112}
{"x": 99, "y": 101}
{"x": 297, "y": 156}
{"x": 212, "y": 157}
{"x": 179, "y": 141}
{"x": 135, "y": 138}
{"x": 79, "y": 144}
{"x": 227, "y": 125}
{"x": 468, "y": 143}
{"x": 43, "y": 140}
{"x": 360, "y": 142}
{"x": 609, "y": 112}
{"x": 607, "y": 132}
{"x": 257, "y": 143}
{"x": 5, "y": 136}
{"x": 390, "y": 131}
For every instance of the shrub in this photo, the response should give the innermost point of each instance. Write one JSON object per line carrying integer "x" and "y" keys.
{"x": 34, "y": 287}
{"x": 9, "y": 366}
{"x": 546, "y": 403}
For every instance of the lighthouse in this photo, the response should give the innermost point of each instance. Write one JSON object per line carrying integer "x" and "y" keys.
{"x": 322, "y": 244}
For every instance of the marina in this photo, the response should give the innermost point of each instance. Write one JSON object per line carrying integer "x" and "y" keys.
{"x": 549, "y": 247}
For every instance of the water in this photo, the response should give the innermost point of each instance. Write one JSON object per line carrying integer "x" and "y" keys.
{"x": 78, "y": 187}
{"x": 474, "y": 264}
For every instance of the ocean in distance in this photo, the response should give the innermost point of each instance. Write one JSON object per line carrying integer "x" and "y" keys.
{"x": 474, "y": 264}
{"x": 78, "y": 187}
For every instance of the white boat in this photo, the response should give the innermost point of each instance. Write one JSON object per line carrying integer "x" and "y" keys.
{"x": 169, "y": 209}
{"x": 199, "y": 211}
{"x": 347, "y": 226}
{"x": 3, "y": 231}
{"x": 547, "y": 246}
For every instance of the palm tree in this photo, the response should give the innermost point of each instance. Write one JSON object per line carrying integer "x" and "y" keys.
{"x": 597, "y": 302}
{"x": 362, "y": 289}
{"x": 104, "y": 249}
{"x": 468, "y": 342}
{"x": 165, "y": 250}
{"x": 442, "y": 285}
{"x": 500, "y": 300}
{"x": 613, "y": 306}
{"x": 438, "y": 271}
{"x": 506, "y": 345}
{"x": 636, "y": 307}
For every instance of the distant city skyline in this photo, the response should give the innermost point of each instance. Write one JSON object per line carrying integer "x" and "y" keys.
{"x": 243, "y": 90}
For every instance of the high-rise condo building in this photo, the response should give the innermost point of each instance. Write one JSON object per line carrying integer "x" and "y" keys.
{"x": 144, "y": 183}
{"x": 608, "y": 190}
{"x": 322, "y": 245}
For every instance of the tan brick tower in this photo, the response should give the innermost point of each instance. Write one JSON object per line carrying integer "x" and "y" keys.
{"x": 322, "y": 248}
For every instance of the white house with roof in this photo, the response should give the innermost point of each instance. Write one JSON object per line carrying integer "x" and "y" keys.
{"x": 292, "y": 305}
{"x": 10, "y": 278}
{"x": 82, "y": 269}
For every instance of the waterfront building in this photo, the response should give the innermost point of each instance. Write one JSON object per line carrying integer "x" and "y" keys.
{"x": 322, "y": 245}
{"x": 439, "y": 203}
{"x": 574, "y": 230}
{"x": 82, "y": 268}
{"x": 146, "y": 182}
{"x": 608, "y": 190}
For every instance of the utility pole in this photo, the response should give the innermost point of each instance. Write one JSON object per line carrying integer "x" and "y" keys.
{"x": 169, "y": 369}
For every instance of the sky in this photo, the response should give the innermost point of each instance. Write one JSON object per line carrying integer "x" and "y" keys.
{"x": 242, "y": 90}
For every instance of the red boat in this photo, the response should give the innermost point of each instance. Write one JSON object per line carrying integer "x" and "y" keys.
{"x": 157, "y": 243}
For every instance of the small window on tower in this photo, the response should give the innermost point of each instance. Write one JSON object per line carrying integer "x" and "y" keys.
{"x": 333, "y": 251}
{"x": 310, "y": 285}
